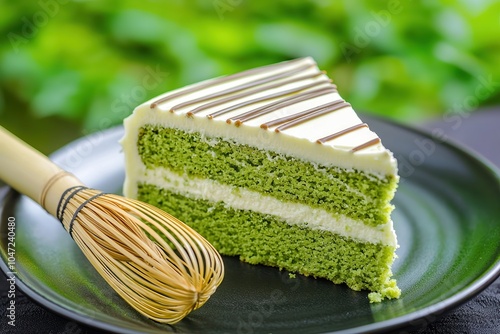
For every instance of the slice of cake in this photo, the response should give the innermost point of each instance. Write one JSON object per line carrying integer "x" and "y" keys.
{"x": 273, "y": 166}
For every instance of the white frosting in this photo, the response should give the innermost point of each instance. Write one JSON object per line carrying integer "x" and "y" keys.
{"x": 298, "y": 141}
{"x": 291, "y": 213}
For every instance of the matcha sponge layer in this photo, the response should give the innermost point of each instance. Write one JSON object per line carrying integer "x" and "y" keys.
{"x": 264, "y": 239}
{"x": 354, "y": 194}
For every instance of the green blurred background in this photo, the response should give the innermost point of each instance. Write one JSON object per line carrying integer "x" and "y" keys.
{"x": 69, "y": 68}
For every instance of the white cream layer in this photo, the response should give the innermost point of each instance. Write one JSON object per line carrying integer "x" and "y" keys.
{"x": 291, "y": 213}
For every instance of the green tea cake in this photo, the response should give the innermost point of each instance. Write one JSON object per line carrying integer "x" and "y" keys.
{"x": 273, "y": 166}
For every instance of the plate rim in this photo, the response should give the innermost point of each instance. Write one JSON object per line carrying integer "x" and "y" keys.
{"x": 479, "y": 284}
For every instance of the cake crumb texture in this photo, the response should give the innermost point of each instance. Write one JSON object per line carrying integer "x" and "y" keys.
{"x": 286, "y": 178}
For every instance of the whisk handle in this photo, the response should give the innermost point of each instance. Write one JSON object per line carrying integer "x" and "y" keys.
{"x": 32, "y": 173}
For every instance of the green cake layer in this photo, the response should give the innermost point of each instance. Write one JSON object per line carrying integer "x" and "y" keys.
{"x": 264, "y": 239}
{"x": 354, "y": 194}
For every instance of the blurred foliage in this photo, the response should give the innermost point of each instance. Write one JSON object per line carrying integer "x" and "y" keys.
{"x": 93, "y": 61}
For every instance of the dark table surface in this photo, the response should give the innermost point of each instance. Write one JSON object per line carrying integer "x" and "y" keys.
{"x": 478, "y": 131}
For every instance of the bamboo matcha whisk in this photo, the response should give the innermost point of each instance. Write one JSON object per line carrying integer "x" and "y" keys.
{"x": 156, "y": 263}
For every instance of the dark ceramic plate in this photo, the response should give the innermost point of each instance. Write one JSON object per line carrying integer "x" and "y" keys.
{"x": 446, "y": 217}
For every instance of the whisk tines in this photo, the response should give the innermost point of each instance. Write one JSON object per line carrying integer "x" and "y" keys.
{"x": 159, "y": 265}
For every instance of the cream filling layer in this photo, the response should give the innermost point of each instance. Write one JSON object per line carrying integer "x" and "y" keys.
{"x": 291, "y": 213}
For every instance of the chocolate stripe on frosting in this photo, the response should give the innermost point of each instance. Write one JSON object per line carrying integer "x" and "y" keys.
{"x": 307, "y": 116}
{"x": 251, "y": 84}
{"x": 249, "y": 93}
{"x": 259, "y": 99}
{"x": 288, "y": 118}
{"x": 341, "y": 133}
{"x": 224, "y": 79}
{"x": 367, "y": 144}
{"x": 252, "y": 114}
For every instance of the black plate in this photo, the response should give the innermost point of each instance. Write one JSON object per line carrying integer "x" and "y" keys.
{"x": 447, "y": 221}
